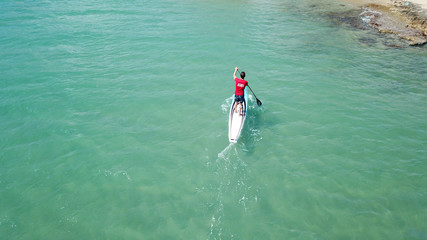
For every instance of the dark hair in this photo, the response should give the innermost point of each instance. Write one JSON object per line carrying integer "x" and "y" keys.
{"x": 242, "y": 75}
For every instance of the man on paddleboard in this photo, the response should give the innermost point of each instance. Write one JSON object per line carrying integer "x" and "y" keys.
{"x": 240, "y": 90}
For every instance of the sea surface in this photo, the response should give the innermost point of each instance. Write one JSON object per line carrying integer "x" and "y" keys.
{"x": 114, "y": 123}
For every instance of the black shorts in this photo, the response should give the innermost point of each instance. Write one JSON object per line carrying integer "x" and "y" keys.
{"x": 239, "y": 98}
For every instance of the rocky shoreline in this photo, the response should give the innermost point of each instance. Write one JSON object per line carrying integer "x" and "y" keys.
{"x": 405, "y": 19}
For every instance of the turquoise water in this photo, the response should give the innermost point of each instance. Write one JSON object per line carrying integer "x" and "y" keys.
{"x": 114, "y": 117}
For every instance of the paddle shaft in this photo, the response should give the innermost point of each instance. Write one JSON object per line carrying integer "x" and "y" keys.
{"x": 252, "y": 92}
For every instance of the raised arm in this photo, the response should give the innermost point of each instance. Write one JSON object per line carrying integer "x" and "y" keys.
{"x": 234, "y": 74}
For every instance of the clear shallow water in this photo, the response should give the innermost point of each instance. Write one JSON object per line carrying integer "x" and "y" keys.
{"x": 114, "y": 124}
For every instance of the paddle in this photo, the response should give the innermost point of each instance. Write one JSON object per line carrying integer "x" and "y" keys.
{"x": 258, "y": 102}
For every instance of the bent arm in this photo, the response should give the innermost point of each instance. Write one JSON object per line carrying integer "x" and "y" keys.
{"x": 234, "y": 74}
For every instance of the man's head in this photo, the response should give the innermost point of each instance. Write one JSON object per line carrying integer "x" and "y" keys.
{"x": 242, "y": 75}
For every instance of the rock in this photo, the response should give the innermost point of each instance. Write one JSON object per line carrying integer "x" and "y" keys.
{"x": 403, "y": 21}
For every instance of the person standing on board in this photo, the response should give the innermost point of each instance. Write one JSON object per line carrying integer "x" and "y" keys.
{"x": 240, "y": 90}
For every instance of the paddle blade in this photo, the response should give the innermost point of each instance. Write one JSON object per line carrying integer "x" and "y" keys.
{"x": 258, "y": 102}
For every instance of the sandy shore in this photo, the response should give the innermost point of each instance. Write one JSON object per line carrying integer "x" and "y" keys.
{"x": 406, "y": 19}
{"x": 421, "y": 3}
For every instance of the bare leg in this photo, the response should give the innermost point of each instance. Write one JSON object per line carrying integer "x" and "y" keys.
{"x": 243, "y": 110}
{"x": 235, "y": 107}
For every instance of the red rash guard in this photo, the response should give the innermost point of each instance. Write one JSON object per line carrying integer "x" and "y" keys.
{"x": 240, "y": 86}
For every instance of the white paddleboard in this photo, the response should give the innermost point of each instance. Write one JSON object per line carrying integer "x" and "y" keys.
{"x": 236, "y": 120}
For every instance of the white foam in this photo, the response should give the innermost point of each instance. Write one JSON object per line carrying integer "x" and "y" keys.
{"x": 223, "y": 153}
{"x": 225, "y": 106}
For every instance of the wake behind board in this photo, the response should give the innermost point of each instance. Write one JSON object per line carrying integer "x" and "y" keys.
{"x": 236, "y": 120}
